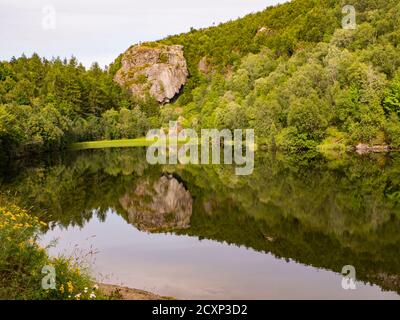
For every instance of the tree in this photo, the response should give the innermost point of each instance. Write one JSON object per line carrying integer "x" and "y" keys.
{"x": 233, "y": 116}
{"x": 392, "y": 96}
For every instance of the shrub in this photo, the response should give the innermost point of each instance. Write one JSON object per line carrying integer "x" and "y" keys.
{"x": 393, "y": 131}
{"x": 289, "y": 139}
{"x": 22, "y": 260}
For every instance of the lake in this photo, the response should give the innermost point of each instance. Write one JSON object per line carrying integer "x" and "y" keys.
{"x": 201, "y": 232}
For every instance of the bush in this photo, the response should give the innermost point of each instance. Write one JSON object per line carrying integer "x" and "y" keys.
{"x": 124, "y": 124}
{"x": 393, "y": 131}
{"x": 232, "y": 117}
{"x": 392, "y": 97}
{"x": 289, "y": 139}
{"x": 22, "y": 260}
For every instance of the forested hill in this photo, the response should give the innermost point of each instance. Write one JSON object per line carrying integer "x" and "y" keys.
{"x": 296, "y": 76}
{"x": 291, "y": 72}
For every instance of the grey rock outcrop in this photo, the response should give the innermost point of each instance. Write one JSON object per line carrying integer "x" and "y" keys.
{"x": 265, "y": 31}
{"x": 365, "y": 148}
{"x": 159, "y": 70}
{"x": 164, "y": 204}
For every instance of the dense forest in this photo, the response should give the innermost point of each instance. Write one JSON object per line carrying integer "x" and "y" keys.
{"x": 291, "y": 72}
{"x": 45, "y": 105}
{"x": 297, "y": 77}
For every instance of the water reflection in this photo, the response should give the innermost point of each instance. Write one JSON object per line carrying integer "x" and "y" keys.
{"x": 319, "y": 213}
{"x": 158, "y": 205}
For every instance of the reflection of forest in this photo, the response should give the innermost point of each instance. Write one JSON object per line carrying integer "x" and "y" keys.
{"x": 321, "y": 213}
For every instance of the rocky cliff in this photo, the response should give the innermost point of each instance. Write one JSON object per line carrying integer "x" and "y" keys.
{"x": 159, "y": 70}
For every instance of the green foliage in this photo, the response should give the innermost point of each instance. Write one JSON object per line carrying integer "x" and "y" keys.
{"x": 233, "y": 116}
{"x": 392, "y": 97}
{"x": 45, "y": 105}
{"x": 294, "y": 72}
{"x": 124, "y": 124}
{"x": 393, "y": 131}
{"x": 289, "y": 139}
{"x": 22, "y": 260}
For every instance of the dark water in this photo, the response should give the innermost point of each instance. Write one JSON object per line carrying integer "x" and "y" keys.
{"x": 285, "y": 231}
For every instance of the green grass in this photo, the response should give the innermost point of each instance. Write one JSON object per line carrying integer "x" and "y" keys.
{"x": 126, "y": 143}
{"x": 123, "y": 143}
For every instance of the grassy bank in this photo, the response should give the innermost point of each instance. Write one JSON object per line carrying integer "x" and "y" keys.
{"x": 22, "y": 261}
{"x": 129, "y": 143}
{"x": 123, "y": 143}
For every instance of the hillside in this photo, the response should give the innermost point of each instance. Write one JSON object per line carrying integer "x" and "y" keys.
{"x": 290, "y": 72}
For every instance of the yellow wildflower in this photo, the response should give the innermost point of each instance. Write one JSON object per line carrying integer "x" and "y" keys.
{"x": 70, "y": 286}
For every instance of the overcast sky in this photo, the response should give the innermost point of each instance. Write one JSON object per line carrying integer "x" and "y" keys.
{"x": 99, "y": 30}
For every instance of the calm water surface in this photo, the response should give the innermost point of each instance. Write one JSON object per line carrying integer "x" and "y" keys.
{"x": 201, "y": 232}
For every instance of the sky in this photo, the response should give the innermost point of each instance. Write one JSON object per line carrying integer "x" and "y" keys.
{"x": 99, "y": 30}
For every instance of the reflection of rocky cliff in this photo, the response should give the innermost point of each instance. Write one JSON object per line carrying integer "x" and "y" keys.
{"x": 164, "y": 204}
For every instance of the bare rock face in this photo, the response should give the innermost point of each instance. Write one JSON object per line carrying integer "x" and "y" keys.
{"x": 164, "y": 204}
{"x": 365, "y": 148}
{"x": 266, "y": 31}
{"x": 160, "y": 70}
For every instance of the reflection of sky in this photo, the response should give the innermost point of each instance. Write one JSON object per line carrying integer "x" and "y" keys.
{"x": 99, "y": 30}
{"x": 185, "y": 267}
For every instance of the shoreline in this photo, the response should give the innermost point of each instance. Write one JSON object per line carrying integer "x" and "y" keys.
{"x": 125, "y": 293}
